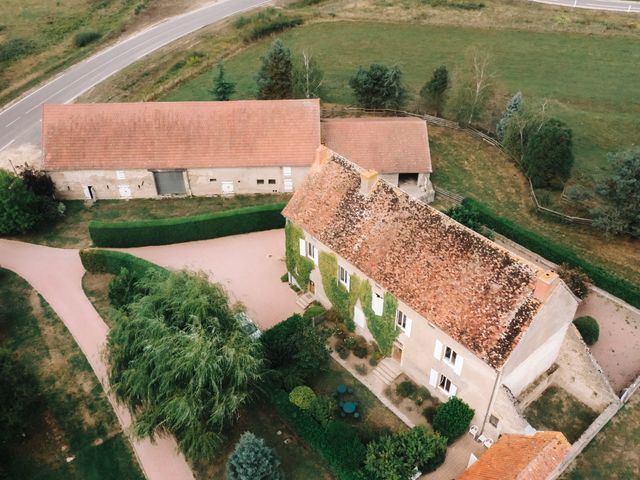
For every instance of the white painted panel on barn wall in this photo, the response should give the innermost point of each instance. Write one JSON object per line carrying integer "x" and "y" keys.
{"x": 286, "y": 171}
{"x": 124, "y": 190}
{"x": 120, "y": 174}
{"x": 227, "y": 187}
{"x": 288, "y": 185}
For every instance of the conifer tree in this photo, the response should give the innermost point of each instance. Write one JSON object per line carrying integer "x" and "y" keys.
{"x": 434, "y": 91}
{"x": 275, "y": 77}
{"x": 222, "y": 88}
{"x": 252, "y": 459}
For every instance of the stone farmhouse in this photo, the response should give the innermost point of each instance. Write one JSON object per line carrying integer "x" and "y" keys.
{"x": 150, "y": 150}
{"x": 456, "y": 312}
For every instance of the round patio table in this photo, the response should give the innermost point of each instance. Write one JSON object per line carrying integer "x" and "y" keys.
{"x": 349, "y": 407}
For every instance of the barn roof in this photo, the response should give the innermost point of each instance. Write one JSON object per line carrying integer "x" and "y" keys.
{"x": 384, "y": 144}
{"x": 159, "y": 135}
{"x": 472, "y": 289}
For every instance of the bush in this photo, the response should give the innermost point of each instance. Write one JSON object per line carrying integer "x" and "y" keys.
{"x": 453, "y": 419}
{"x": 20, "y": 209}
{"x": 278, "y": 24}
{"x": 421, "y": 395}
{"x": 406, "y": 389}
{"x": 107, "y": 261}
{"x": 337, "y": 443}
{"x": 122, "y": 289}
{"x": 314, "y": 311}
{"x": 322, "y": 409}
{"x": 342, "y": 350}
{"x": 16, "y": 48}
{"x": 556, "y": 253}
{"x": 284, "y": 278}
{"x": 430, "y": 413}
{"x": 302, "y": 397}
{"x": 576, "y": 280}
{"x": 588, "y": 328}
{"x": 38, "y": 181}
{"x": 252, "y": 459}
{"x": 187, "y": 229}
{"x": 82, "y": 39}
{"x": 361, "y": 368}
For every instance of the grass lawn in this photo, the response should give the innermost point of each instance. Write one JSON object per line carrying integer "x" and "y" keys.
{"x": 72, "y": 231}
{"x": 77, "y": 419}
{"x": 613, "y": 453}
{"x": 558, "y": 410}
{"x": 590, "y": 80}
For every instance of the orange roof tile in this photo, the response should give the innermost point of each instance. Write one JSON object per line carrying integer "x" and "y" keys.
{"x": 384, "y": 144}
{"x": 473, "y": 290}
{"x": 180, "y": 135}
{"x": 520, "y": 457}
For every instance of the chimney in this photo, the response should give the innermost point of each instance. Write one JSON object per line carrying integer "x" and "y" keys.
{"x": 368, "y": 179}
{"x": 545, "y": 282}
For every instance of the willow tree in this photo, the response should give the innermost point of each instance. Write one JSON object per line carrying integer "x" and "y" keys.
{"x": 181, "y": 361}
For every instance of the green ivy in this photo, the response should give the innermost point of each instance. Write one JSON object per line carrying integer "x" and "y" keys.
{"x": 382, "y": 327}
{"x": 300, "y": 267}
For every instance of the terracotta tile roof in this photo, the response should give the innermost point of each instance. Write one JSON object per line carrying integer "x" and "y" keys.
{"x": 520, "y": 457}
{"x": 384, "y": 144}
{"x": 473, "y": 290}
{"x": 180, "y": 135}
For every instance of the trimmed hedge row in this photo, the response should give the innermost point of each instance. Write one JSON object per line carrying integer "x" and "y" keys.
{"x": 107, "y": 261}
{"x": 556, "y": 253}
{"x": 338, "y": 444}
{"x": 187, "y": 229}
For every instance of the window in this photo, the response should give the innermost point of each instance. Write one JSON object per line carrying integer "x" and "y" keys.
{"x": 401, "y": 320}
{"x": 450, "y": 356}
{"x": 312, "y": 252}
{"x": 286, "y": 171}
{"x": 493, "y": 420}
{"x": 446, "y": 386}
{"x": 212, "y": 180}
{"x": 343, "y": 276}
{"x": 272, "y": 181}
{"x": 260, "y": 181}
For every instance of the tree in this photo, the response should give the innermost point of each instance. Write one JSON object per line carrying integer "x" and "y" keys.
{"x": 295, "y": 351}
{"x": 19, "y": 396}
{"x": 453, "y": 418}
{"x": 522, "y": 124}
{"x": 396, "y": 456}
{"x": 473, "y": 88}
{"x": 307, "y": 78}
{"x": 469, "y": 217}
{"x": 514, "y": 106}
{"x": 222, "y": 88}
{"x": 548, "y": 154}
{"x": 576, "y": 279}
{"x": 275, "y": 77}
{"x": 20, "y": 208}
{"x": 433, "y": 93}
{"x": 38, "y": 182}
{"x": 588, "y": 328}
{"x": 379, "y": 87}
{"x": 622, "y": 189}
{"x": 123, "y": 289}
{"x": 252, "y": 459}
{"x": 182, "y": 362}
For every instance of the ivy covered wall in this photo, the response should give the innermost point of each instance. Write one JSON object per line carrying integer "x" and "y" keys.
{"x": 298, "y": 266}
{"x": 382, "y": 327}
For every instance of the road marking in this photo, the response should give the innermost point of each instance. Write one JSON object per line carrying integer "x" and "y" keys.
{"x": 1, "y": 149}
{"x": 9, "y": 124}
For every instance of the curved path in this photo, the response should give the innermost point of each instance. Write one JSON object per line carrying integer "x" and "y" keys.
{"x": 607, "y": 5}
{"x": 20, "y": 123}
{"x": 57, "y": 275}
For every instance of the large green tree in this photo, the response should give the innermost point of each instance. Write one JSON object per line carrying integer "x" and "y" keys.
{"x": 548, "y": 155}
{"x": 433, "y": 93}
{"x": 182, "y": 362}
{"x": 222, "y": 88}
{"x": 20, "y": 208}
{"x": 622, "y": 190}
{"x": 252, "y": 459}
{"x": 379, "y": 87}
{"x": 275, "y": 77}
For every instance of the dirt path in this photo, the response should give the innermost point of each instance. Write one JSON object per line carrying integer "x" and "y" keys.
{"x": 57, "y": 275}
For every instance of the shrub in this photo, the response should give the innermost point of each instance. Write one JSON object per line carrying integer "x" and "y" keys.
{"x": 576, "y": 280}
{"x": 430, "y": 413}
{"x": 20, "y": 208}
{"x": 278, "y": 24}
{"x": 187, "y": 229}
{"x": 342, "y": 350}
{"x": 322, "y": 409}
{"x": 314, "y": 311}
{"x": 453, "y": 418}
{"x": 556, "y": 253}
{"x": 421, "y": 395}
{"x": 406, "y": 389}
{"x": 38, "y": 181}
{"x": 361, "y": 368}
{"x": 122, "y": 289}
{"x": 284, "y": 278}
{"x": 252, "y": 459}
{"x": 470, "y": 218}
{"x": 397, "y": 456}
{"x": 82, "y": 39}
{"x": 373, "y": 361}
{"x": 302, "y": 397}
{"x": 360, "y": 346}
{"x": 107, "y": 261}
{"x": 16, "y": 48}
{"x": 588, "y": 328}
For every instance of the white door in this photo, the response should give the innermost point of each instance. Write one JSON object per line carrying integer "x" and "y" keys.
{"x": 227, "y": 188}
{"x": 124, "y": 190}
{"x": 288, "y": 185}
{"x": 358, "y": 317}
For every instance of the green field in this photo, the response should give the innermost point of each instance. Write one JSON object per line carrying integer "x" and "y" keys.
{"x": 590, "y": 80}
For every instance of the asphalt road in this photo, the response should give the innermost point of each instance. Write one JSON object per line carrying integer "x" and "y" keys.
{"x": 609, "y": 5}
{"x": 21, "y": 122}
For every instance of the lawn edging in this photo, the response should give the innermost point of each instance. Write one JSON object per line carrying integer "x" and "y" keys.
{"x": 107, "y": 261}
{"x": 555, "y": 252}
{"x": 187, "y": 229}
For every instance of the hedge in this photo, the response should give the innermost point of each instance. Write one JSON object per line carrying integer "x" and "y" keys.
{"x": 186, "y": 229}
{"x": 107, "y": 261}
{"x": 556, "y": 253}
{"x": 338, "y": 444}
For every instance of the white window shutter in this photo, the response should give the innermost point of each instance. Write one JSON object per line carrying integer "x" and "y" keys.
{"x": 348, "y": 281}
{"x": 437, "y": 352}
{"x": 458, "y": 366}
{"x": 453, "y": 390}
{"x": 315, "y": 256}
{"x": 433, "y": 378}
{"x": 303, "y": 248}
{"x": 407, "y": 330}
{"x": 377, "y": 304}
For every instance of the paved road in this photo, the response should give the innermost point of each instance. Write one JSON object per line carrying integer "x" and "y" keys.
{"x": 21, "y": 123}
{"x": 56, "y": 274}
{"x": 609, "y": 5}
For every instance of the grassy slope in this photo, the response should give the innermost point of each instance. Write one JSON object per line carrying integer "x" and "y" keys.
{"x": 591, "y": 80}
{"x": 78, "y": 420}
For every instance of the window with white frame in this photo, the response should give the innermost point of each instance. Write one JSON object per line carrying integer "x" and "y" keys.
{"x": 448, "y": 356}
{"x": 343, "y": 276}
{"x": 446, "y": 386}
{"x": 401, "y": 319}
